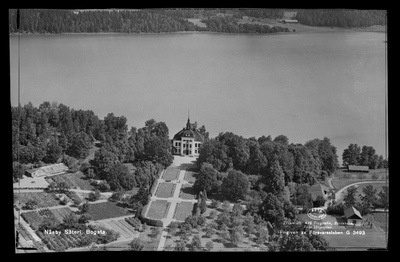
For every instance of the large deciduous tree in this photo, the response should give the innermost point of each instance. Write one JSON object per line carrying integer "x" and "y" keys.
{"x": 235, "y": 186}
{"x": 207, "y": 179}
{"x": 350, "y": 197}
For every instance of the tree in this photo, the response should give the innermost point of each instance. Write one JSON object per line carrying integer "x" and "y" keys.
{"x": 207, "y": 178}
{"x": 248, "y": 223}
{"x": 195, "y": 245}
{"x": 79, "y": 145}
{"x": 275, "y": 182}
{"x": 30, "y": 204}
{"x": 62, "y": 187}
{"x": 154, "y": 232}
{"x": 18, "y": 171}
{"x": 180, "y": 246}
{"x": 84, "y": 218}
{"x": 319, "y": 201}
{"x": 368, "y": 197}
{"x": 203, "y": 205}
{"x": 210, "y": 231}
{"x": 384, "y": 197}
{"x": 53, "y": 151}
{"x": 236, "y": 237}
{"x": 235, "y": 186}
{"x": 136, "y": 245}
{"x": 272, "y": 209}
{"x": 84, "y": 208}
{"x": 350, "y": 197}
{"x": 209, "y": 245}
{"x": 94, "y": 195}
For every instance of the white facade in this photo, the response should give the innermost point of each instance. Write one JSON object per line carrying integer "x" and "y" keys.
{"x": 186, "y": 146}
{"x": 187, "y": 142}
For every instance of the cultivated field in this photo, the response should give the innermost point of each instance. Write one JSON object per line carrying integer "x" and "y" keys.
{"x": 171, "y": 173}
{"x": 183, "y": 210}
{"x": 158, "y": 209}
{"x": 105, "y": 210}
{"x": 42, "y": 199}
{"x": 190, "y": 177}
{"x": 74, "y": 180}
{"x": 125, "y": 230}
{"x": 187, "y": 192}
{"x": 165, "y": 190}
{"x": 35, "y": 218}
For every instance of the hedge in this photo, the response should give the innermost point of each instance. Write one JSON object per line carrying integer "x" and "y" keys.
{"x": 151, "y": 222}
{"x": 153, "y": 187}
{"x": 148, "y": 221}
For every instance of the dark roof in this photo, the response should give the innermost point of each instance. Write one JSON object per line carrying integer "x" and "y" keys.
{"x": 192, "y": 133}
{"x": 352, "y": 213}
{"x": 357, "y": 168}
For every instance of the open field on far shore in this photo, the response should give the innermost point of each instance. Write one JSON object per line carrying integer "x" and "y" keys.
{"x": 300, "y": 28}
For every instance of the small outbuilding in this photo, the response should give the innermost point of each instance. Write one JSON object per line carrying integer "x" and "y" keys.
{"x": 353, "y": 216}
{"x": 353, "y": 168}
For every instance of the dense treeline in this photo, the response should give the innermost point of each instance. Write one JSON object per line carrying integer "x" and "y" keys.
{"x": 56, "y": 133}
{"x": 138, "y": 21}
{"x": 66, "y": 21}
{"x": 300, "y": 163}
{"x": 341, "y": 18}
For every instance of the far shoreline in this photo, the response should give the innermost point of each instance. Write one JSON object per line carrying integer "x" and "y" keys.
{"x": 304, "y": 29}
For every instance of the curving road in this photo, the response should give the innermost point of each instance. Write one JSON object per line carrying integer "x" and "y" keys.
{"x": 340, "y": 192}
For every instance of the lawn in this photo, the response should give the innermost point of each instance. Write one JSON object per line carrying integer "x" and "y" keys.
{"x": 42, "y": 199}
{"x": 373, "y": 237}
{"x": 171, "y": 173}
{"x": 165, "y": 190}
{"x": 105, "y": 210}
{"x": 380, "y": 220}
{"x": 74, "y": 180}
{"x": 183, "y": 210}
{"x": 187, "y": 192}
{"x": 158, "y": 209}
{"x": 190, "y": 177}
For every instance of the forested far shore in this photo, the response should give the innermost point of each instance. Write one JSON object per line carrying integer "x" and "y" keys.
{"x": 52, "y": 21}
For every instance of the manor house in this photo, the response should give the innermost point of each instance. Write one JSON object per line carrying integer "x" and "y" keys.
{"x": 187, "y": 141}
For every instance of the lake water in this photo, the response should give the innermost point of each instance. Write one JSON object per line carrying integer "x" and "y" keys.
{"x": 305, "y": 86}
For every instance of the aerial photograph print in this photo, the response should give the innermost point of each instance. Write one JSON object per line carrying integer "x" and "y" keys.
{"x": 199, "y": 130}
